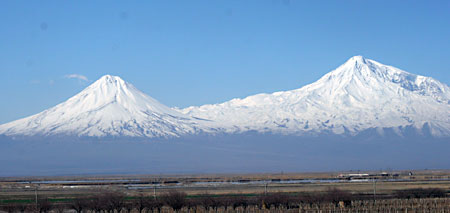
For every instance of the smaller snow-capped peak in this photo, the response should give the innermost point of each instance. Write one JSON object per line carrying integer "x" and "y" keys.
{"x": 110, "y": 79}
{"x": 357, "y": 59}
{"x": 113, "y": 90}
{"x": 108, "y": 107}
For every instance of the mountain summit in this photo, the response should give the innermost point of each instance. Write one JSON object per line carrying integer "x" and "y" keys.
{"x": 108, "y": 107}
{"x": 359, "y": 95}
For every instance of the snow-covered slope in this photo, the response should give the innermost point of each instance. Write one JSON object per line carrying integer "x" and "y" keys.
{"x": 108, "y": 107}
{"x": 359, "y": 95}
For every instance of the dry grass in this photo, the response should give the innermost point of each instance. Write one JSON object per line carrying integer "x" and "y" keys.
{"x": 10, "y": 188}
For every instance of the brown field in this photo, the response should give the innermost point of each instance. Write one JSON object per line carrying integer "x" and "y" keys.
{"x": 64, "y": 189}
{"x": 14, "y": 186}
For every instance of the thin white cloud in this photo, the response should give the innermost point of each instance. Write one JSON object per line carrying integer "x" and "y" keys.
{"x": 77, "y": 76}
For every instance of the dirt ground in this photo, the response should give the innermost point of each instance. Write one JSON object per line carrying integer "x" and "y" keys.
{"x": 17, "y": 188}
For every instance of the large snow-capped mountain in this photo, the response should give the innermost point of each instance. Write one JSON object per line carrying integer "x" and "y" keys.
{"x": 108, "y": 107}
{"x": 359, "y": 95}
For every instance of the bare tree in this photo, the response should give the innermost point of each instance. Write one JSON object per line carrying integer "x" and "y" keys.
{"x": 16, "y": 207}
{"x": 59, "y": 208}
{"x": 96, "y": 203}
{"x": 240, "y": 201}
{"x": 206, "y": 201}
{"x": 214, "y": 202}
{"x": 9, "y": 208}
{"x": 43, "y": 205}
{"x": 336, "y": 195}
{"x": 310, "y": 198}
{"x": 226, "y": 202}
{"x": 261, "y": 202}
{"x": 140, "y": 203}
{"x": 22, "y": 207}
{"x": 113, "y": 201}
{"x": 192, "y": 204}
{"x": 276, "y": 200}
{"x": 175, "y": 199}
{"x": 253, "y": 201}
{"x": 153, "y": 204}
{"x": 128, "y": 206}
{"x": 79, "y": 204}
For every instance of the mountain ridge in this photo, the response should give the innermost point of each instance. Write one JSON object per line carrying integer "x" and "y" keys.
{"x": 108, "y": 107}
{"x": 360, "y": 95}
{"x": 359, "y": 86}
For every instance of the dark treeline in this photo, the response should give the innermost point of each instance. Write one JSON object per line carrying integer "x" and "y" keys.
{"x": 420, "y": 193}
{"x": 176, "y": 201}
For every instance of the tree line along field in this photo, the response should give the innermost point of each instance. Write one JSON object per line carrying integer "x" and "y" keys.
{"x": 425, "y": 191}
{"x": 331, "y": 200}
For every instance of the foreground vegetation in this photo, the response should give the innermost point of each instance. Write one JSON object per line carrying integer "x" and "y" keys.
{"x": 332, "y": 200}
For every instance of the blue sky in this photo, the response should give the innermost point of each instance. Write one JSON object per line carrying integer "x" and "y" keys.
{"x": 196, "y": 52}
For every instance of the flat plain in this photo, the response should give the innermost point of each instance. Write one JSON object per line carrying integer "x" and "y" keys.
{"x": 371, "y": 182}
